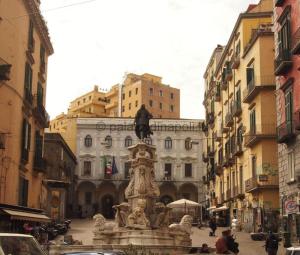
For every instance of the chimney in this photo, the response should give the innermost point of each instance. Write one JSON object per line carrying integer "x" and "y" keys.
{"x": 96, "y": 89}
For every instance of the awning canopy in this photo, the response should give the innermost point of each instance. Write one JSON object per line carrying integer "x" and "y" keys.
{"x": 222, "y": 208}
{"x": 18, "y": 215}
{"x": 211, "y": 208}
{"x": 183, "y": 203}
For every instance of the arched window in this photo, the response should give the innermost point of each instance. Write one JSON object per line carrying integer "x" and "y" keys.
{"x": 128, "y": 141}
{"x": 148, "y": 141}
{"x": 168, "y": 143}
{"x": 108, "y": 141}
{"x": 88, "y": 141}
{"x": 188, "y": 144}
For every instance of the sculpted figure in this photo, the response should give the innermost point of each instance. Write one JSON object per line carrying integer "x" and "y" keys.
{"x": 163, "y": 215}
{"x": 101, "y": 224}
{"x": 130, "y": 188}
{"x": 185, "y": 225}
{"x": 137, "y": 219}
{"x": 122, "y": 212}
{"x": 141, "y": 122}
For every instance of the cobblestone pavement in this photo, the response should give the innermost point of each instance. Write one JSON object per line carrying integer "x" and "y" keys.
{"x": 83, "y": 230}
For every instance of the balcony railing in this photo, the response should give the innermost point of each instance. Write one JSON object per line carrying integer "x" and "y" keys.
{"x": 229, "y": 120}
{"x": 261, "y": 182}
{"x": 283, "y": 62}
{"x": 219, "y": 168}
{"x": 40, "y": 113}
{"x": 204, "y": 157}
{"x": 28, "y": 97}
{"x": 279, "y": 3}
{"x": 237, "y": 108}
{"x": 285, "y": 132}
{"x": 297, "y": 120}
{"x": 210, "y": 118}
{"x": 210, "y": 152}
{"x": 217, "y": 136}
{"x": 228, "y": 74}
{"x": 39, "y": 164}
{"x": 296, "y": 42}
{"x": 255, "y": 136}
{"x": 224, "y": 128}
{"x": 224, "y": 85}
{"x": 217, "y": 95}
{"x": 257, "y": 84}
{"x": 235, "y": 61}
{"x": 228, "y": 160}
{"x": 238, "y": 149}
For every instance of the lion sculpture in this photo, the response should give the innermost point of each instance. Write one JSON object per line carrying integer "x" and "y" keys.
{"x": 101, "y": 224}
{"x": 184, "y": 226}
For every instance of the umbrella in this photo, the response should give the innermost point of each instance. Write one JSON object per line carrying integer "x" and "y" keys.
{"x": 183, "y": 203}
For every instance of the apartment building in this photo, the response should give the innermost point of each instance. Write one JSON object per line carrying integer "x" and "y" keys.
{"x": 24, "y": 50}
{"x": 287, "y": 63}
{"x": 241, "y": 151}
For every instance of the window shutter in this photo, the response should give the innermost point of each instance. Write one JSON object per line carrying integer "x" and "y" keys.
{"x": 25, "y": 192}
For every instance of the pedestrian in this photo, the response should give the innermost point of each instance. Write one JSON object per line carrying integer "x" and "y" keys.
{"x": 272, "y": 243}
{"x": 204, "y": 248}
{"x": 213, "y": 226}
{"x": 221, "y": 246}
{"x": 232, "y": 245}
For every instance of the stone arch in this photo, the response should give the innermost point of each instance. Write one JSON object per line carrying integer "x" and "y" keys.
{"x": 106, "y": 198}
{"x": 168, "y": 192}
{"x": 86, "y": 194}
{"x": 189, "y": 191}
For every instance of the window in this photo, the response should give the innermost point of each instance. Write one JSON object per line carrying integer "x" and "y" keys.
{"x": 160, "y": 106}
{"x": 250, "y": 77}
{"x": 123, "y": 96}
{"x": 127, "y": 167}
{"x": 168, "y": 170}
{"x": 150, "y": 103}
{"x": 171, "y": 108}
{"x": 239, "y": 135}
{"x": 252, "y": 122}
{"x": 136, "y": 103}
{"x": 28, "y": 83}
{"x": 289, "y": 107}
{"x": 151, "y": 91}
{"x": 23, "y": 191}
{"x": 188, "y": 170}
{"x": 90, "y": 97}
{"x": 129, "y": 93}
{"x": 238, "y": 98}
{"x": 26, "y": 138}
{"x": 30, "y": 36}
{"x": 42, "y": 56}
{"x": 108, "y": 141}
{"x": 88, "y": 141}
{"x": 291, "y": 165}
{"x": 123, "y": 108}
{"x": 148, "y": 141}
{"x": 128, "y": 141}
{"x": 129, "y": 106}
{"x": 220, "y": 156}
{"x": 254, "y": 166}
{"x": 136, "y": 91}
{"x": 241, "y": 180}
{"x": 88, "y": 198}
{"x": 78, "y": 103}
{"x": 238, "y": 49}
{"x": 38, "y": 155}
{"x": 188, "y": 144}
{"x": 87, "y": 168}
{"x": 168, "y": 143}
{"x": 84, "y": 100}
{"x": 40, "y": 96}
{"x": 160, "y": 93}
{"x": 284, "y": 37}
{"x": 172, "y": 96}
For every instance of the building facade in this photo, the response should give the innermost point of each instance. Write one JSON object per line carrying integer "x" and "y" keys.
{"x": 24, "y": 50}
{"x": 287, "y": 63}
{"x": 102, "y": 148}
{"x": 60, "y": 179}
{"x": 241, "y": 152}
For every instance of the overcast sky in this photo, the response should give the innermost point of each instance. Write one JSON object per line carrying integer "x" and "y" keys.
{"x": 98, "y": 41}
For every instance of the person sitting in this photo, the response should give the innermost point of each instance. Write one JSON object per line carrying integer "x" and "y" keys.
{"x": 232, "y": 245}
{"x": 204, "y": 248}
{"x": 221, "y": 245}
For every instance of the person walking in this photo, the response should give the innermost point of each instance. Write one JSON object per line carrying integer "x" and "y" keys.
{"x": 272, "y": 243}
{"x": 213, "y": 226}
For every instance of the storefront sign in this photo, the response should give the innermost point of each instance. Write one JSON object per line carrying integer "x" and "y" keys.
{"x": 290, "y": 206}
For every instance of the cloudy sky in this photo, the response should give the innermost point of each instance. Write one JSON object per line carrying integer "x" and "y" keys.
{"x": 97, "y": 41}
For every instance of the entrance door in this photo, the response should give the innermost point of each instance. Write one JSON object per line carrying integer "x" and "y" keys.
{"x": 107, "y": 204}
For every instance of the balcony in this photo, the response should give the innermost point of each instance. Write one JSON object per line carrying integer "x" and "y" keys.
{"x": 40, "y": 113}
{"x": 256, "y": 85}
{"x": 255, "y": 136}
{"x": 229, "y": 120}
{"x": 235, "y": 61}
{"x": 217, "y": 96}
{"x": 297, "y": 120}
{"x": 39, "y": 164}
{"x": 237, "y": 108}
{"x": 238, "y": 149}
{"x": 224, "y": 85}
{"x": 204, "y": 157}
{"x": 210, "y": 152}
{"x": 261, "y": 181}
{"x": 28, "y": 98}
{"x": 111, "y": 105}
{"x": 210, "y": 118}
{"x": 219, "y": 168}
{"x": 285, "y": 132}
{"x": 204, "y": 127}
{"x": 217, "y": 136}
{"x": 296, "y": 42}
{"x": 283, "y": 62}
{"x": 228, "y": 160}
{"x": 279, "y": 3}
{"x": 228, "y": 74}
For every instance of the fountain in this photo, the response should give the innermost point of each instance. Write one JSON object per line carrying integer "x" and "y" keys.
{"x": 142, "y": 221}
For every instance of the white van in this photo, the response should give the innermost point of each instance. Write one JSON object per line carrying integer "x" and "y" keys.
{"x": 17, "y": 244}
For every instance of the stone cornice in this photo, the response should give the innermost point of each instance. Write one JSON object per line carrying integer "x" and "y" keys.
{"x": 40, "y": 24}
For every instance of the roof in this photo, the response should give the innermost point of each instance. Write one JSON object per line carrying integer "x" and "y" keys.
{"x": 20, "y": 215}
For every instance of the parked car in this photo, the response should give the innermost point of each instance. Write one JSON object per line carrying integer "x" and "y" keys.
{"x": 293, "y": 251}
{"x": 96, "y": 253}
{"x": 19, "y": 244}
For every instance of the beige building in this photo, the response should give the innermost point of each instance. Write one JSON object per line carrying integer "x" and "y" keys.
{"x": 24, "y": 49}
{"x": 161, "y": 100}
{"x": 241, "y": 152}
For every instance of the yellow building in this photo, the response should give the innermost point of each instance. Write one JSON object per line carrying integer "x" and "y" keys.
{"x": 241, "y": 151}
{"x": 24, "y": 49}
{"x": 161, "y": 100}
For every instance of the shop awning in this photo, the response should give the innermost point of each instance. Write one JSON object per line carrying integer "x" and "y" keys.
{"x": 18, "y": 215}
{"x": 211, "y": 208}
{"x": 222, "y": 208}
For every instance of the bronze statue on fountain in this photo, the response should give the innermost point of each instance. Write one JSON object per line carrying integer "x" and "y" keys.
{"x": 141, "y": 122}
